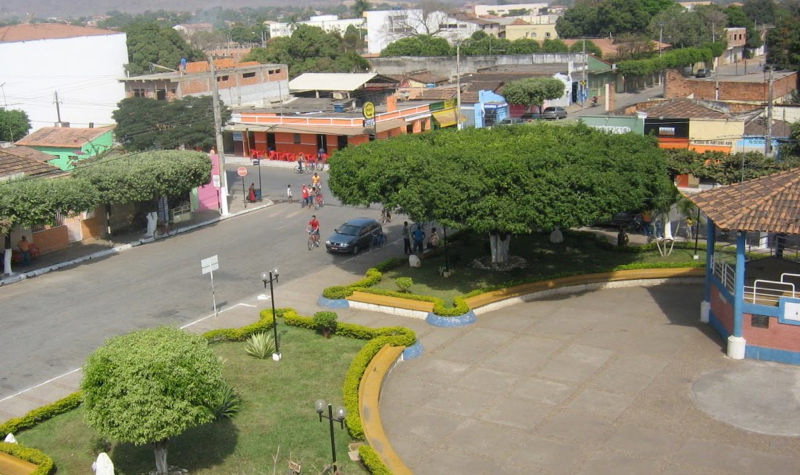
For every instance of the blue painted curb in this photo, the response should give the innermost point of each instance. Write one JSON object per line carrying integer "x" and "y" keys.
{"x": 412, "y": 351}
{"x": 459, "y": 321}
{"x": 332, "y": 303}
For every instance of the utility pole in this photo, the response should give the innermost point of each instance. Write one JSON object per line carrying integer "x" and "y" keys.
{"x": 223, "y": 180}
{"x": 768, "y": 141}
{"x": 58, "y": 108}
{"x": 585, "y": 87}
{"x": 458, "y": 85}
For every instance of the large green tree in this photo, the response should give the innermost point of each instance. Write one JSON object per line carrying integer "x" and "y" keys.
{"x": 609, "y": 17}
{"x": 310, "y": 49}
{"x": 783, "y": 42}
{"x": 144, "y": 123}
{"x": 150, "y": 43}
{"x": 678, "y": 27}
{"x": 726, "y": 169}
{"x": 533, "y": 91}
{"x": 420, "y": 45}
{"x": 33, "y": 201}
{"x": 150, "y": 385}
{"x": 504, "y": 181}
{"x": 14, "y": 125}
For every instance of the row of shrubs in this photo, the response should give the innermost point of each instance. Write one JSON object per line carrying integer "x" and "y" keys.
{"x": 44, "y": 464}
{"x": 378, "y": 337}
{"x": 374, "y": 275}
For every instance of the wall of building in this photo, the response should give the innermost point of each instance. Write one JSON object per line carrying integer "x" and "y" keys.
{"x": 615, "y": 124}
{"x": 777, "y": 335}
{"x": 675, "y": 85}
{"x": 85, "y": 71}
{"x": 722, "y": 310}
{"x": 538, "y": 32}
{"x": 715, "y": 131}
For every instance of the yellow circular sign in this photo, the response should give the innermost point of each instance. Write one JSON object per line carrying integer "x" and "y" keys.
{"x": 368, "y": 110}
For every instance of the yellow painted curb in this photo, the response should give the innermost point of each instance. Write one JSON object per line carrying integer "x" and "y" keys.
{"x": 390, "y": 301}
{"x": 10, "y": 465}
{"x": 636, "y": 274}
{"x": 369, "y": 393}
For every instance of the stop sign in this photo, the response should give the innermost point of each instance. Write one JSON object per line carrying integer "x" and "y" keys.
{"x": 242, "y": 171}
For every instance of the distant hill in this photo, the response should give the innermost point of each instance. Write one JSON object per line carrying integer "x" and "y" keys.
{"x": 78, "y": 8}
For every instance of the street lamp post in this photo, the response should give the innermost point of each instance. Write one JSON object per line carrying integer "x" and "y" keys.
{"x": 458, "y": 85}
{"x": 269, "y": 277}
{"x": 340, "y": 415}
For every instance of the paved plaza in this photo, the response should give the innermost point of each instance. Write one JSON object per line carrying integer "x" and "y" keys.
{"x": 609, "y": 381}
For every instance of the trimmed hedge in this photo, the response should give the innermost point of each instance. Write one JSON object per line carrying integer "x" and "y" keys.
{"x": 44, "y": 464}
{"x": 372, "y": 461}
{"x": 41, "y": 414}
{"x": 242, "y": 333}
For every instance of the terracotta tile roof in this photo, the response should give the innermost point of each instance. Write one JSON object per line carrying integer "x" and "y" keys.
{"x": 65, "y": 137}
{"x": 608, "y": 47}
{"x": 769, "y": 204}
{"x": 222, "y": 63}
{"x": 12, "y": 165}
{"x": 437, "y": 94}
{"x": 48, "y": 31}
{"x": 28, "y": 152}
{"x": 758, "y": 127}
{"x": 681, "y": 109}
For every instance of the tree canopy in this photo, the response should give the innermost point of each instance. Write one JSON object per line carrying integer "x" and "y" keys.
{"x": 145, "y": 176}
{"x": 608, "y": 17}
{"x": 144, "y": 123}
{"x": 724, "y": 168}
{"x": 150, "y": 385}
{"x": 533, "y": 91}
{"x": 14, "y": 125}
{"x": 310, "y": 49}
{"x": 505, "y": 180}
{"x": 148, "y": 42}
{"x": 420, "y": 45}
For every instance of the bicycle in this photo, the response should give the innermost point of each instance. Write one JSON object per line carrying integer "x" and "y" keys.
{"x": 313, "y": 240}
{"x": 318, "y": 202}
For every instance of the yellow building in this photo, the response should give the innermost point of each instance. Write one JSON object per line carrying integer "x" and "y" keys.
{"x": 715, "y": 134}
{"x": 520, "y": 29}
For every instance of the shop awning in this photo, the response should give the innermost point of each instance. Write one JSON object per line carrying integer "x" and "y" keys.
{"x": 446, "y": 118}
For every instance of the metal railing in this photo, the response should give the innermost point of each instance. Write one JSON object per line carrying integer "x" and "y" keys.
{"x": 725, "y": 272}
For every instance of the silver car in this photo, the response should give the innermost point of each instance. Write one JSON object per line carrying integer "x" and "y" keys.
{"x": 553, "y": 113}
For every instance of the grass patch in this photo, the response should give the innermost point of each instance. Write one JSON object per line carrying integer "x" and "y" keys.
{"x": 580, "y": 253}
{"x": 277, "y": 410}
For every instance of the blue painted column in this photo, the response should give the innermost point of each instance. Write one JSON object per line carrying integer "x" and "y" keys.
{"x": 736, "y": 344}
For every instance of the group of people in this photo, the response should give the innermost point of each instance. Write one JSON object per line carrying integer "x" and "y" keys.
{"x": 414, "y": 240}
{"x": 313, "y": 161}
{"x": 310, "y": 196}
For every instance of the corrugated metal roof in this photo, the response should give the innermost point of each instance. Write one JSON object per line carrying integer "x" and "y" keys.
{"x": 48, "y": 31}
{"x": 768, "y": 204}
{"x": 330, "y": 81}
{"x": 65, "y": 137}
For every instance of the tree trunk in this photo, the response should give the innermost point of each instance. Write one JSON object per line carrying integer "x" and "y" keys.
{"x": 160, "y": 449}
{"x": 108, "y": 221}
{"x": 7, "y": 254}
{"x": 499, "y": 243}
{"x": 667, "y": 226}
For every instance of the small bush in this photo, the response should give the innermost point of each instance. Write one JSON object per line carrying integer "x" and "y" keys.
{"x": 337, "y": 292}
{"x": 41, "y": 414}
{"x": 390, "y": 264}
{"x": 260, "y": 345}
{"x": 372, "y": 461}
{"x": 227, "y": 402}
{"x": 325, "y": 322}
{"x": 404, "y": 283}
{"x": 44, "y": 464}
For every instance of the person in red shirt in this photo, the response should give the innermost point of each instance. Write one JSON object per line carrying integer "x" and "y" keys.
{"x": 313, "y": 229}
{"x": 304, "y": 194}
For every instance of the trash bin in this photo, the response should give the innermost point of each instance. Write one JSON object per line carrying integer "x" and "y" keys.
{"x": 258, "y": 194}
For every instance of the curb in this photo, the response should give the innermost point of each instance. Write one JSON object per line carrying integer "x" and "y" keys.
{"x": 14, "y": 278}
{"x": 458, "y": 321}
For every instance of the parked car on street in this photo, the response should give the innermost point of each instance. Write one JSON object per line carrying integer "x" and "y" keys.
{"x": 701, "y": 73}
{"x": 511, "y": 121}
{"x": 354, "y": 235}
{"x": 553, "y": 113}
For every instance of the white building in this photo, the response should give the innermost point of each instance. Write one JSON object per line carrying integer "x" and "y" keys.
{"x": 387, "y": 26}
{"x": 82, "y": 65}
{"x": 506, "y": 10}
{"x": 329, "y": 23}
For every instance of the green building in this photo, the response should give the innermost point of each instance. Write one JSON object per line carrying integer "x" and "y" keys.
{"x": 68, "y": 145}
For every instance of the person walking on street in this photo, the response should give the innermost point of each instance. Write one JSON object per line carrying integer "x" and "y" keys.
{"x": 304, "y": 194}
{"x": 289, "y": 193}
{"x": 406, "y": 238}
{"x": 419, "y": 238}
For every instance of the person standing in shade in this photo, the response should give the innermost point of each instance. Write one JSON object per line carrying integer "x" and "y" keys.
{"x": 25, "y": 249}
{"x": 289, "y": 193}
{"x": 251, "y": 193}
{"x": 433, "y": 240}
{"x": 419, "y": 238}
{"x": 406, "y": 238}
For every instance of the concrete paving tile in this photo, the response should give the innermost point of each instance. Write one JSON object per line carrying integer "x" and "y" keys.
{"x": 458, "y": 462}
{"x": 637, "y": 363}
{"x": 610, "y": 463}
{"x": 487, "y": 439}
{"x": 541, "y": 455}
{"x": 560, "y": 327}
{"x": 437, "y": 371}
{"x": 460, "y": 401}
{"x": 487, "y": 381}
{"x": 523, "y": 355}
{"x": 434, "y": 340}
{"x": 474, "y": 345}
{"x": 576, "y": 428}
{"x": 621, "y": 382}
{"x": 601, "y": 404}
{"x": 518, "y": 322}
{"x": 395, "y": 394}
{"x": 422, "y": 427}
{"x": 515, "y": 412}
{"x": 576, "y": 363}
{"x": 644, "y": 443}
{"x": 542, "y": 391}
{"x": 611, "y": 339}
{"x": 732, "y": 459}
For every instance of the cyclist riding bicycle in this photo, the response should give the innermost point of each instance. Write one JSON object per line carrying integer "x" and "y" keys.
{"x": 313, "y": 229}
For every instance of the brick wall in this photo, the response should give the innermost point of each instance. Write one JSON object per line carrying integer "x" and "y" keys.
{"x": 779, "y": 336}
{"x": 51, "y": 239}
{"x": 678, "y": 86}
{"x": 722, "y": 310}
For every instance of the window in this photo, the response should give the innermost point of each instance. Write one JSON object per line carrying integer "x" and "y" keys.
{"x": 138, "y": 93}
{"x": 296, "y": 138}
{"x": 274, "y": 71}
{"x": 547, "y": 35}
{"x": 669, "y": 131}
{"x": 249, "y": 75}
{"x": 222, "y": 78}
{"x": 161, "y": 94}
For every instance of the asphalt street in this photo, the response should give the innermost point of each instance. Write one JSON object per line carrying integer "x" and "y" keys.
{"x": 51, "y": 323}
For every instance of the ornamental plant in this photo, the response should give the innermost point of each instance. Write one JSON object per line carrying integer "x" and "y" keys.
{"x": 325, "y": 322}
{"x": 404, "y": 283}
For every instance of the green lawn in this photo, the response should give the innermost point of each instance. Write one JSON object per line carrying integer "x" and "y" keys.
{"x": 277, "y": 413}
{"x": 579, "y": 253}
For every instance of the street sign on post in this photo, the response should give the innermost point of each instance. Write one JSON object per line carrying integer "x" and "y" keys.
{"x": 208, "y": 266}
{"x": 242, "y": 172}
